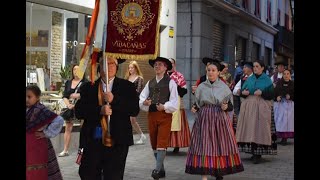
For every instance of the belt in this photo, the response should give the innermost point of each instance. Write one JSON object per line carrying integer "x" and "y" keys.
{"x": 36, "y": 167}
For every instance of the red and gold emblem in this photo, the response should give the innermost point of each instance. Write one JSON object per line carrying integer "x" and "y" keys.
{"x": 132, "y": 18}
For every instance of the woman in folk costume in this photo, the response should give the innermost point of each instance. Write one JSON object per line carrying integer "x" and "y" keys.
{"x": 280, "y": 63}
{"x": 41, "y": 124}
{"x": 226, "y": 77}
{"x": 255, "y": 128}
{"x": 213, "y": 149}
{"x": 284, "y": 107}
{"x": 203, "y": 78}
{"x": 180, "y": 133}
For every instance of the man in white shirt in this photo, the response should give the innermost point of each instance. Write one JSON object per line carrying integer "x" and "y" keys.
{"x": 160, "y": 99}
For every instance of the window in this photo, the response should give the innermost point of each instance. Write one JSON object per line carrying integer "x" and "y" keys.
{"x": 286, "y": 22}
{"x": 50, "y": 38}
{"x": 279, "y": 16}
{"x": 267, "y": 56}
{"x": 240, "y": 49}
{"x": 269, "y": 11}
{"x": 245, "y": 5}
{"x": 257, "y": 8}
{"x": 218, "y": 39}
{"x": 255, "y": 52}
{"x": 279, "y": 12}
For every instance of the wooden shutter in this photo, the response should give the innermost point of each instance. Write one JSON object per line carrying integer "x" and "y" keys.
{"x": 218, "y": 39}
{"x": 240, "y": 49}
{"x": 255, "y": 52}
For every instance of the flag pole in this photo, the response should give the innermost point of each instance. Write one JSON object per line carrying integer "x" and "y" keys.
{"x": 105, "y": 58}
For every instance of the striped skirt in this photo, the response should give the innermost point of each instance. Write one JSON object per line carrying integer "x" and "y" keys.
{"x": 213, "y": 148}
{"x": 53, "y": 166}
{"x": 181, "y": 138}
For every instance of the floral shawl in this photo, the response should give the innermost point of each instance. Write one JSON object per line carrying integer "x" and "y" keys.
{"x": 179, "y": 79}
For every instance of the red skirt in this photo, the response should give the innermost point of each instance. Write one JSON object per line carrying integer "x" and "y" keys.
{"x": 41, "y": 161}
{"x": 181, "y": 138}
{"x": 36, "y": 157}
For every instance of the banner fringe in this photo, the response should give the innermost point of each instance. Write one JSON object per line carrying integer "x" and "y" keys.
{"x": 132, "y": 56}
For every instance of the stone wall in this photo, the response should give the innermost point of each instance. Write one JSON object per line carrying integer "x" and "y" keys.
{"x": 56, "y": 50}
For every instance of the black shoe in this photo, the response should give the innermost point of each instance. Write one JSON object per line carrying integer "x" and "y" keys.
{"x": 176, "y": 150}
{"x": 162, "y": 173}
{"x": 155, "y": 174}
{"x": 219, "y": 178}
{"x": 283, "y": 141}
{"x": 256, "y": 159}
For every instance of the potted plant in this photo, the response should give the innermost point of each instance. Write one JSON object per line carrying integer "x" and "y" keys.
{"x": 65, "y": 73}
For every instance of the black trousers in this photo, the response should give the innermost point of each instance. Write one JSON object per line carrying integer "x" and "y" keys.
{"x": 237, "y": 104}
{"x": 103, "y": 163}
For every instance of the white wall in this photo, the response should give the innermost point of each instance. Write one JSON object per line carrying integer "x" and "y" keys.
{"x": 168, "y": 17}
{"x": 84, "y": 3}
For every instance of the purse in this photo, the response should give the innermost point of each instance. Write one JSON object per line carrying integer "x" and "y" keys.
{"x": 67, "y": 113}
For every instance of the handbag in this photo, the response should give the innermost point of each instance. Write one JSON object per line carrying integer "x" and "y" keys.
{"x": 67, "y": 113}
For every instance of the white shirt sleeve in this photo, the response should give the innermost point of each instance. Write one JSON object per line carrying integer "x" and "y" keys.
{"x": 271, "y": 78}
{"x": 54, "y": 127}
{"x": 172, "y": 105}
{"x": 143, "y": 96}
{"x": 236, "y": 88}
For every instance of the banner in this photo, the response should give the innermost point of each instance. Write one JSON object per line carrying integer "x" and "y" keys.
{"x": 87, "y": 50}
{"x": 133, "y": 29}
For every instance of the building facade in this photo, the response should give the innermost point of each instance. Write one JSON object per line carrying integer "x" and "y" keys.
{"x": 233, "y": 30}
{"x": 56, "y": 32}
{"x": 284, "y": 39}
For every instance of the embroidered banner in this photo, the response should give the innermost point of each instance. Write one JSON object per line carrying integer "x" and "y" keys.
{"x": 133, "y": 29}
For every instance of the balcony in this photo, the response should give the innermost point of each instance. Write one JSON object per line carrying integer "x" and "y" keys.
{"x": 284, "y": 41}
{"x": 242, "y": 4}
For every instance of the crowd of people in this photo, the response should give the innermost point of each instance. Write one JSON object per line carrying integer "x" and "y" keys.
{"x": 246, "y": 112}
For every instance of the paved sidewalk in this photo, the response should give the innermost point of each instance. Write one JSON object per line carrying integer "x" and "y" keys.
{"x": 140, "y": 163}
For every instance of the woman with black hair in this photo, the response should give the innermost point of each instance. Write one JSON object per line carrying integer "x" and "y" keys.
{"x": 255, "y": 128}
{"x": 213, "y": 149}
{"x": 41, "y": 125}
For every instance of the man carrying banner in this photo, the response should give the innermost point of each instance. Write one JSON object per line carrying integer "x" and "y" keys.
{"x": 105, "y": 141}
{"x": 160, "y": 98}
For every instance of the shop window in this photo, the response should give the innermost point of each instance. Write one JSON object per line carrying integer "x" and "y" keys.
{"x": 54, "y": 38}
